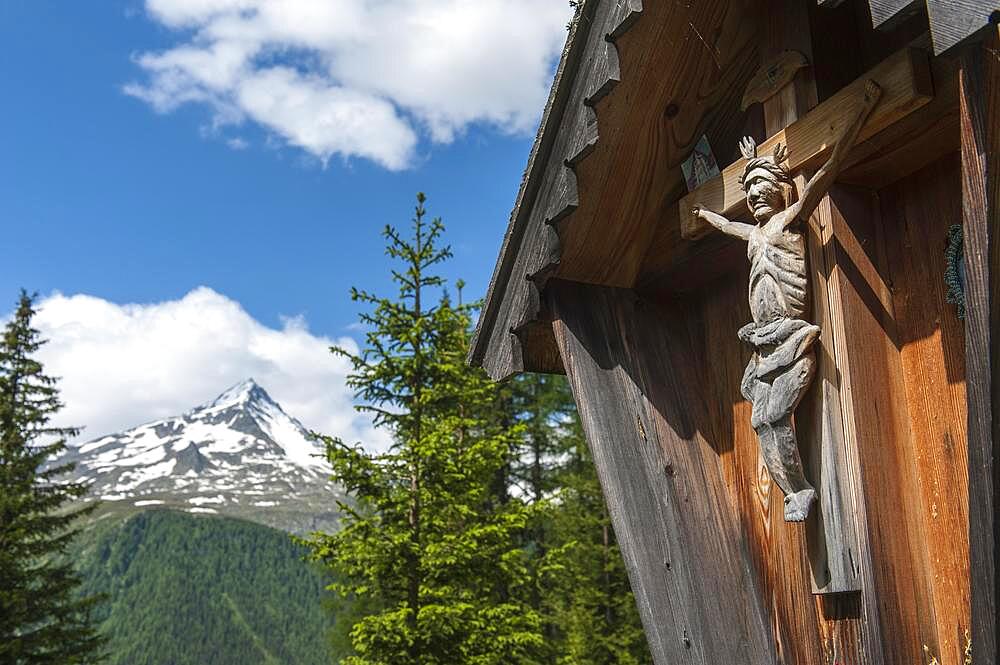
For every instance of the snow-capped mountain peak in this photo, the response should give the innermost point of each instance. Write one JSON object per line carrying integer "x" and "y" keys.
{"x": 239, "y": 452}
{"x": 242, "y": 393}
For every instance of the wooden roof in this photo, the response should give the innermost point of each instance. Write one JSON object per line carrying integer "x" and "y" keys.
{"x": 637, "y": 86}
{"x": 588, "y": 71}
{"x": 951, "y": 22}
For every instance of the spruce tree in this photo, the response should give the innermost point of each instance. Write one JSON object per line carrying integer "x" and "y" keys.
{"x": 430, "y": 544}
{"x": 588, "y": 595}
{"x": 582, "y": 592}
{"x": 42, "y": 618}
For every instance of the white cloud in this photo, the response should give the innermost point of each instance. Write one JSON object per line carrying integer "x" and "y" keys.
{"x": 123, "y": 365}
{"x": 357, "y": 78}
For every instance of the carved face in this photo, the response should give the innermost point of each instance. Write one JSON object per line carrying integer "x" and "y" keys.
{"x": 764, "y": 198}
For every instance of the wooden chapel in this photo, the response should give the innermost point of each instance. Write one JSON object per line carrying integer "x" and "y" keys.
{"x": 608, "y": 273}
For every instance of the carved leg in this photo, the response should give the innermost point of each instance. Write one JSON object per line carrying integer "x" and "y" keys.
{"x": 772, "y": 419}
{"x": 781, "y": 455}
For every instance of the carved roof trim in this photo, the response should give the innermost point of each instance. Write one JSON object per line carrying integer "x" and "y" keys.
{"x": 555, "y": 107}
{"x": 509, "y": 337}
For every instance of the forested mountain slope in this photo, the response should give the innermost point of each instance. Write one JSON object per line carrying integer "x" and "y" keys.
{"x": 196, "y": 590}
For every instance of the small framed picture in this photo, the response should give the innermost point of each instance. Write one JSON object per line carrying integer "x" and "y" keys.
{"x": 700, "y": 166}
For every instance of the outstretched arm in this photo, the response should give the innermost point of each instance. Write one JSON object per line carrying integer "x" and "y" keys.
{"x": 737, "y": 229}
{"x": 820, "y": 183}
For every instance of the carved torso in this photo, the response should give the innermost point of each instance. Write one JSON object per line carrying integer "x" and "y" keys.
{"x": 777, "y": 274}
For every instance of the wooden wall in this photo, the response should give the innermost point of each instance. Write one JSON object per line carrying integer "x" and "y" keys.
{"x": 656, "y": 370}
{"x": 904, "y": 379}
{"x": 628, "y": 362}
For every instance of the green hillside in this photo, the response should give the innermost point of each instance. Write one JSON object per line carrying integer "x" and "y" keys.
{"x": 199, "y": 590}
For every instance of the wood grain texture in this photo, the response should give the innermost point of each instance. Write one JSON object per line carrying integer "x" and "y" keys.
{"x": 493, "y": 345}
{"x": 887, "y": 14}
{"x": 605, "y": 73}
{"x": 585, "y": 137}
{"x": 909, "y": 145}
{"x": 628, "y": 363}
{"x": 895, "y": 599}
{"x": 903, "y": 372}
{"x": 954, "y": 22}
{"x": 777, "y": 548}
{"x": 835, "y": 551}
{"x": 980, "y": 106}
{"x": 772, "y": 76}
{"x": 682, "y": 66}
{"x": 624, "y": 14}
{"x": 906, "y": 86}
{"x": 916, "y": 214}
{"x": 829, "y": 447}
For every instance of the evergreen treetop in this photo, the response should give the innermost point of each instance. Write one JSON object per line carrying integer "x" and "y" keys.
{"x": 41, "y": 618}
{"x": 430, "y": 544}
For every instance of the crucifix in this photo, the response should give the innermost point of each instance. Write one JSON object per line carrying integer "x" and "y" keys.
{"x": 783, "y": 363}
{"x": 798, "y": 262}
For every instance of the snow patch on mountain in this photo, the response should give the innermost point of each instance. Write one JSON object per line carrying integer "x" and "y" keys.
{"x": 239, "y": 453}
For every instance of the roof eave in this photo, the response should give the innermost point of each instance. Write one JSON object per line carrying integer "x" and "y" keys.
{"x": 566, "y": 73}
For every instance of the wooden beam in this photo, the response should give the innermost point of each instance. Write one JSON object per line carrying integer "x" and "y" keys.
{"x": 912, "y": 420}
{"x": 906, "y": 86}
{"x": 494, "y": 346}
{"x": 917, "y": 140}
{"x": 772, "y": 76}
{"x": 954, "y": 22}
{"x": 979, "y": 109}
{"x": 887, "y": 14}
{"x": 832, "y": 531}
{"x": 637, "y": 389}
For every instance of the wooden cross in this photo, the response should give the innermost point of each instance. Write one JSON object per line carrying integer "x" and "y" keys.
{"x": 906, "y": 86}
{"x": 823, "y": 421}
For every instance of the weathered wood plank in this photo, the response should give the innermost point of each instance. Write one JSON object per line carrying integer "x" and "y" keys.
{"x": 585, "y": 137}
{"x": 916, "y": 215}
{"x": 606, "y": 73}
{"x": 772, "y": 76}
{"x": 906, "y": 86}
{"x": 494, "y": 346}
{"x": 832, "y": 532}
{"x": 629, "y": 366}
{"x": 626, "y": 13}
{"x": 896, "y": 598}
{"x": 562, "y": 199}
{"x": 953, "y": 22}
{"x": 887, "y": 14}
{"x": 833, "y": 535}
{"x": 777, "y": 548}
{"x": 980, "y": 108}
{"x": 921, "y": 138}
{"x": 549, "y": 194}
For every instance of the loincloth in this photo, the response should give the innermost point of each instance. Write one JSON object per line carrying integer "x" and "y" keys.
{"x": 780, "y": 369}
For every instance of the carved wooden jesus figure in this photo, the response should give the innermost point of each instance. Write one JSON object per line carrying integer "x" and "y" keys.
{"x": 783, "y": 363}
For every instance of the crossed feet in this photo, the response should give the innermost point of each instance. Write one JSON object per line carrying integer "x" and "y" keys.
{"x": 797, "y": 505}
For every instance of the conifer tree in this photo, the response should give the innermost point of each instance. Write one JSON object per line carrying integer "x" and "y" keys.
{"x": 42, "y": 618}
{"x": 588, "y": 595}
{"x": 430, "y": 543}
{"x": 582, "y": 591}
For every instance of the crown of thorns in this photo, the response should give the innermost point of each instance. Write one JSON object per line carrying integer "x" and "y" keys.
{"x": 763, "y": 167}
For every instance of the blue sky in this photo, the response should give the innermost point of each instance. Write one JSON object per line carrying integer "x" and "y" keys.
{"x": 106, "y": 197}
{"x": 127, "y": 198}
